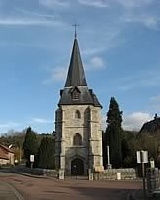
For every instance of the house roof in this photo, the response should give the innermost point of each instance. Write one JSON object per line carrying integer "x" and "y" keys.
{"x": 3, "y": 155}
{"x": 5, "y": 148}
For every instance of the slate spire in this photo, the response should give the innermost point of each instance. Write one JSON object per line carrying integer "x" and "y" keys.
{"x": 76, "y": 91}
{"x": 76, "y": 75}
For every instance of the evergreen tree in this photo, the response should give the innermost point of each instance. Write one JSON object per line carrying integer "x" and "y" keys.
{"x": 114, "y": 133}
{"x": 129, "y": 147}
{"x": 30, "y": 145}
{"x": 46, "y": 153}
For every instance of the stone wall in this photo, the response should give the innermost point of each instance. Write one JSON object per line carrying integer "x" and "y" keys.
{"x": 112, "y": 174}
{"x": 109, "y": 174}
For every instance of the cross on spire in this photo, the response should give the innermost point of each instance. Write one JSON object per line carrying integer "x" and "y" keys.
{"x": 75, "y": 26}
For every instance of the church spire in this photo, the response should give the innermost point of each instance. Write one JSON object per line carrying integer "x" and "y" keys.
{"x": 76, "y": 75}
{"x": 76, "y": 91}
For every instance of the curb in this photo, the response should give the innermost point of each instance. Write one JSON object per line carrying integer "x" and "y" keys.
{"x": 15, "y": 191}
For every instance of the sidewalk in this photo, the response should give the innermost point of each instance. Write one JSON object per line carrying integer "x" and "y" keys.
{"x": 8, "y": 192}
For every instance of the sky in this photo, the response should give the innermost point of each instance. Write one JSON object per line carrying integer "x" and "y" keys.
{"x": 119, "y": 43}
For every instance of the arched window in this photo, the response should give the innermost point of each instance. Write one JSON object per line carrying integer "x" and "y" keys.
{"x": 77, "y": 139}
{"x": 77, "y": 114}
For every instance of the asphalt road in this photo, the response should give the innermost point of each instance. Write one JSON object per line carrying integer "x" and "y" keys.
{"x": 18, "y": 186}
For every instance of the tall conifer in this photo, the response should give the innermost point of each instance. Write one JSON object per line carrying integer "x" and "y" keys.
{"x": 114, "y": 133}
{"x": 46, "y": 153}
{"x": 30, "y": 145}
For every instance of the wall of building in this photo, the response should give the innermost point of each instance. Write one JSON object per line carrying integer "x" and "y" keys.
{"x": 88, "y": 125}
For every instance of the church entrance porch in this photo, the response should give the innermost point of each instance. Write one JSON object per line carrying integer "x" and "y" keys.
{"x": 77, "y": 167}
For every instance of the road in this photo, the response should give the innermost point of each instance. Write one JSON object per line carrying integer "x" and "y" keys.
{"x": 44, "y": 188}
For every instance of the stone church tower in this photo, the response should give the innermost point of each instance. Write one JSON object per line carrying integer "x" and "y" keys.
{"x": 78, "y": 132}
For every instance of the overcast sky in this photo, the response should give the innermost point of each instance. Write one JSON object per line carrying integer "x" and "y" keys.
{"x": 120, "y": 48}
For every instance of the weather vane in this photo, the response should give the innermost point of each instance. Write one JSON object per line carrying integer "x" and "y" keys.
{"x": 75, "y": 26}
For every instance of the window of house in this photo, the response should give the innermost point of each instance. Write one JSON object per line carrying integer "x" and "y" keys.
{"x": 77, "y": 139}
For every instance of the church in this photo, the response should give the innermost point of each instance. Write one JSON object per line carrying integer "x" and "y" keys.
{"x": 78, "y": 131}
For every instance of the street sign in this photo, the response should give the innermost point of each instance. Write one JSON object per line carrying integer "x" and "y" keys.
{"x": 31, "y": 158}
{"x": 138, "y": 157}
{"x": 142, "y": 156}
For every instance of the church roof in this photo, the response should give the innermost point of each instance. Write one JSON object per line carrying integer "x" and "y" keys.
{"x": 76, "y": 76}
{"x": 86, "y": 97}
{"x": 76, "y": 91}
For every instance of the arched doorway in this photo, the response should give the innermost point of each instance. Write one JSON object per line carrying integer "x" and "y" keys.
{"x": 77, "y": 167}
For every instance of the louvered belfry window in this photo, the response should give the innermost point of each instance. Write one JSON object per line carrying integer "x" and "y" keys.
{"x": 75, "y": 94}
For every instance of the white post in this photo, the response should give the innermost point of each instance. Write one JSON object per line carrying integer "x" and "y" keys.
{"x": 108, "y": 159}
